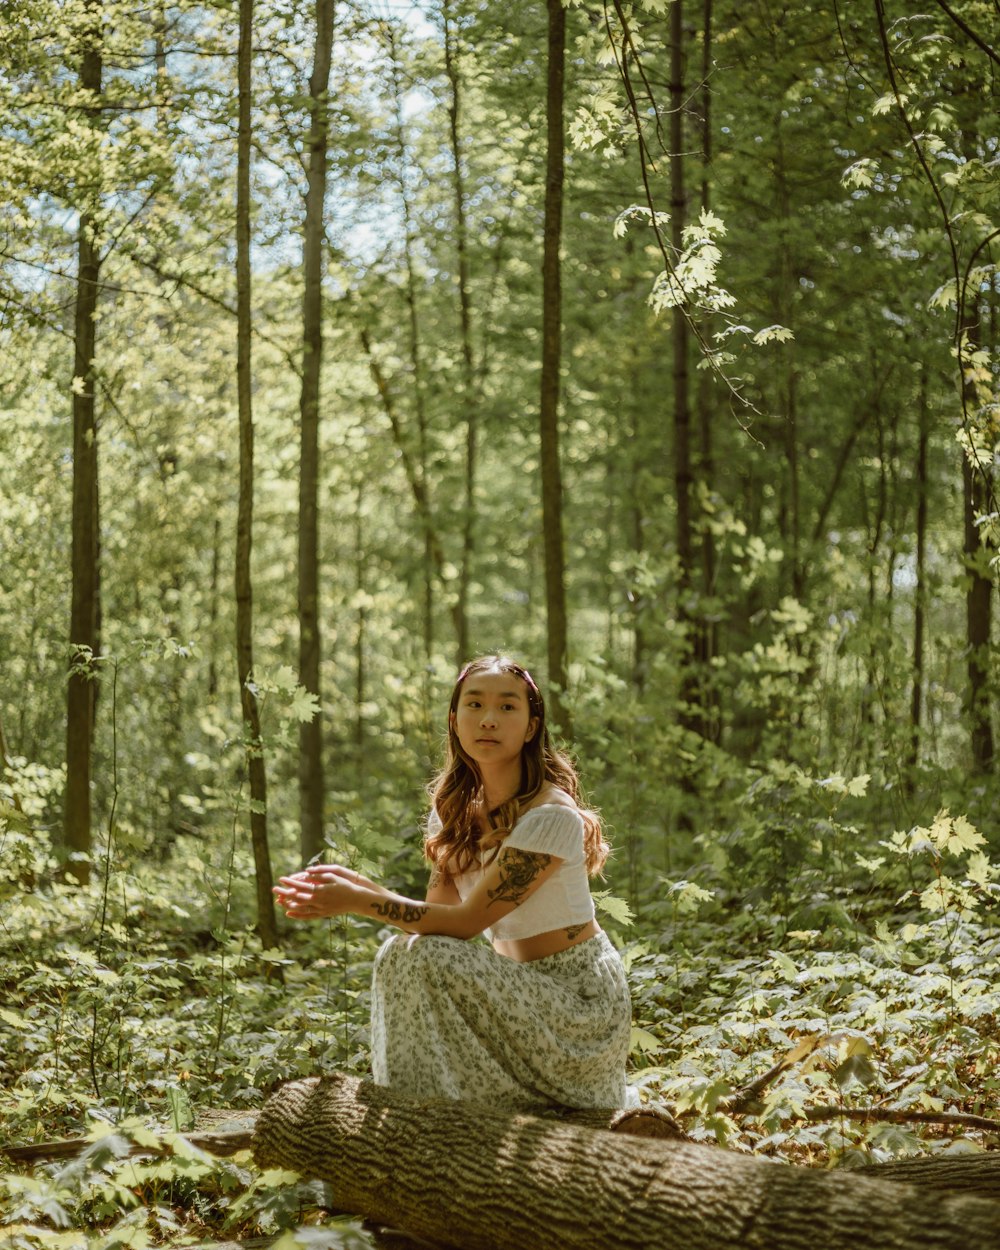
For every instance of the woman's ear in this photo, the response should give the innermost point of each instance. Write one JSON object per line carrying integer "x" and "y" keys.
{"x": 532, "y": 729}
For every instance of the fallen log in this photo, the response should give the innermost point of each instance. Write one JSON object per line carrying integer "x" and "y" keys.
{"x": 464, "y": 1175}
{"x": 221, "y": 1144}
{"x": 649, "y": 1121}
{"x": 977, "y": 1174}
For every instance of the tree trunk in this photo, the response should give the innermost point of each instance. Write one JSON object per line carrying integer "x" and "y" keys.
{"x": 310, "y": 650}
{"x": 465, "y": 1175}
{"x": 691, "y": 715}
{"x": 461, "y": 609}
{"x": 784, "y": 228}
{"x": 244, "y": 522}
{"x": 920, "y": 590}
{"x": 432, "y": 566}
{"x": 707, "y": 638}
{"x": 979, "y": 591}
{"x": 679, "y": 339}
{"x": 552, "y": 518}
{"x": 83, "y": 628}
{"x": 977, "y": 617}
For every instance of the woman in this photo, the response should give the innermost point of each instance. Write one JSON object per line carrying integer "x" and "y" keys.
{"x": 542, "y": 1016}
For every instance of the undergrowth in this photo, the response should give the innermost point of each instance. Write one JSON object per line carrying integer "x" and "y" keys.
{"x": 142, "y": 1006}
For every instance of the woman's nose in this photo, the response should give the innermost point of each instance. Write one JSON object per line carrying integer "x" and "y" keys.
{"x": 488, "y": 718}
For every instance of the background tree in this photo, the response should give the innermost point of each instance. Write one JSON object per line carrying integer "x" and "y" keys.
{"x": 244, "y": 526}
{"x": 84, "y": 610}
{"x": 311, "y": 791}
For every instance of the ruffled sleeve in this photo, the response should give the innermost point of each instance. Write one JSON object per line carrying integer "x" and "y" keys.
{"x": 434, "y": 822}
{"x": 550, "y": 829}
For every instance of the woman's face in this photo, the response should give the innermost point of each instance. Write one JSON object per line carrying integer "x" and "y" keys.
{"x": 492, "y": 718}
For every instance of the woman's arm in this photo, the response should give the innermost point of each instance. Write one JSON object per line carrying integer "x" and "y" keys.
{"x": 441, "y": 888}
{"x": 334, "y": 872}
{"x": 512, "y": 877}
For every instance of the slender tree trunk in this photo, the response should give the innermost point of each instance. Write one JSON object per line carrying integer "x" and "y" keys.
{"x": 978, "y": 612}
{"x": 431, "y": 567}
{"x": 552, "y": 516}
{"x": 244, "y": 523}
{"x": 869, "y": 698}
{"x": 979, "y": 592}
{"x": 679, "y": 327}
{"x": 708, "y": 630}
{"x": 361, "y": 636}
{"x": 311, "y": 789}
{"x": 461, "y": 609}
{"x": 84, "y": 595}
{"x": 920, "y": 591}
{"x": 690, "y": 706}
{"x": 791, "y": 512}
{"x": 213, "y": 607}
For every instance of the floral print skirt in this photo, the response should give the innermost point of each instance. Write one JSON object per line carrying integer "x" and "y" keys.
{"x": 453, "y": 1019}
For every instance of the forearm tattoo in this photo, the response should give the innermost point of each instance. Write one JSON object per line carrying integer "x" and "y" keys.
{"x": 518, "y": 870}
{"x": 406, "y": 913}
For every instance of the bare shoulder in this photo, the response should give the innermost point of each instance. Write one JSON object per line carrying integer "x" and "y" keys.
{"x": 553, "y": 796}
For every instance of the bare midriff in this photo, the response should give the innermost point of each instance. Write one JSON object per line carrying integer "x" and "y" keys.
{"x": 552, "y": 942}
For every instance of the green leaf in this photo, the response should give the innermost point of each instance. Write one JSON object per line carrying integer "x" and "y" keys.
{"x": 615, "y": 907}
{"x": 643, "y": 1041}
{"x": 15, "y": 1021}
{"x": 304, "y": 706}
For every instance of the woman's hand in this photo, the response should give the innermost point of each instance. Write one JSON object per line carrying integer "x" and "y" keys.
{"x": 319, "y": 891}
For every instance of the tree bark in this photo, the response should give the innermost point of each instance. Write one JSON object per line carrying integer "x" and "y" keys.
{"x": 920, "y": 590}
{"x": 707, "y": 638}
{"x": 461, "y": 609}
{"x": 432, "y": 565}
{"x": 311, "y": 790}
{"x": 465, "y": 1175}
{"x": 552, "y": 516}
{"x": 977, "y": 618}
{"x": 679, "y": 335}
{"x": 244, "y": 522}
{"x": 83, "y": 628}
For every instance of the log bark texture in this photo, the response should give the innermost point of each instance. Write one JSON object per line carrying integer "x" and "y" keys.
{"x": 471, "y": 1177}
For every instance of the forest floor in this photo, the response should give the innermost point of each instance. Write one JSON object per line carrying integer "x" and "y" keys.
{"x": 131, "y": 1016}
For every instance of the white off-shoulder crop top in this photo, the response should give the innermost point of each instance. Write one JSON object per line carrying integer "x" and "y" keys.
{"x": 562, "y": 899}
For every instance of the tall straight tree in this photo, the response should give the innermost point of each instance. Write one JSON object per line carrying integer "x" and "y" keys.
{"x": 690, "y": 715}
{"x": 244, "y": 522}
{"x": 552, "y": 514}
{"x": 432, "y": 565}
{"x": 920, "y": 589}
{"x": 84, "y": 554}
{"x": 310, "y": 732}
{"x": 461, "y": 609}
{"x": 979, "y": 592}
{"x": 707, "y": 636}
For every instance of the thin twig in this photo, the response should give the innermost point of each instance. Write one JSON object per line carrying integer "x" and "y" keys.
{"x": 948, "y": 1118}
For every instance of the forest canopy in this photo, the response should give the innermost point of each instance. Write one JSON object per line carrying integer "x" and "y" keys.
{"x": 655, "y": 345}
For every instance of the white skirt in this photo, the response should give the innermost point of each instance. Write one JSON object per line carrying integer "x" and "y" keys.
{"x": 453, "y": 1019}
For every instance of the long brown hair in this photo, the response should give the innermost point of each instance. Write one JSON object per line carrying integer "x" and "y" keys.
{"x": 459, "y": 784}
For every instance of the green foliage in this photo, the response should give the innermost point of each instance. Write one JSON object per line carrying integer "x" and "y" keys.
{"x": 780, "y": 885}
{"x": 872, "y": 1005}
